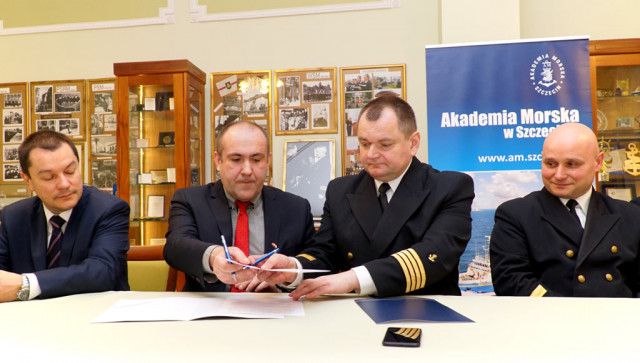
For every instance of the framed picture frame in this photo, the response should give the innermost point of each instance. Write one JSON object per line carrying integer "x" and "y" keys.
{"x": 244, "y": 95}
{"x": 625, "y": 192}
{"x": 306, "y": 101}
{"x": 155, "y": 206}
{"x": 309, "y": 165}
{"x": 14, "y": 110}
{"x": 167, "y": 138}
{"x": 359, "y": 85}
{"x": 59, "y": 106}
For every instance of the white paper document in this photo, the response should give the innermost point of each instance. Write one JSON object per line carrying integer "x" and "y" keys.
{"x": 252, "y": 306}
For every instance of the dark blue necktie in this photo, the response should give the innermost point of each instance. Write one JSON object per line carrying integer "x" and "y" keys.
{"x": 55, "y": 244}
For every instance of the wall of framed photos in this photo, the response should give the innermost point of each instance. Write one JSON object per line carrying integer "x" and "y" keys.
{"x": 393, "y": 35}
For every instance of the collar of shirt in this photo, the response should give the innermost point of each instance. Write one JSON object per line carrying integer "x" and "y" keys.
{"x": 48, "y": 214}
{"x": 583, "y": 205}
{"x": 257, "y": 201}
{"x": 393, "y": 184}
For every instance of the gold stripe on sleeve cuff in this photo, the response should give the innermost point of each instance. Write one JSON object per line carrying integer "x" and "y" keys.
{"x": 308, "y": 257}
{"x": 539, "y": 291}
{"x": 412, "y": 268}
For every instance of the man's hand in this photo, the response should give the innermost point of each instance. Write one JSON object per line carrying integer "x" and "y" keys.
{"x": 341, "y": 283}
{"x": 256, "y": 285}
{"x": 277, "y": 261}
{"x": 224, "y": 270}
{"x": 10, "y": 283}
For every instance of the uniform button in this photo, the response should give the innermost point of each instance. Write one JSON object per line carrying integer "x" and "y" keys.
{"x": 614, "y": 249}
{"x": 349, "y": 255}
{"x": 570, "y": 253}
{"x": 581, "y": 278}
{"x": 608, "y": 277}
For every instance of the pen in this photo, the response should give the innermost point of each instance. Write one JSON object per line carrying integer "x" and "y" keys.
{"x": 226, "y": 249}
{"x": 265, "y": 256}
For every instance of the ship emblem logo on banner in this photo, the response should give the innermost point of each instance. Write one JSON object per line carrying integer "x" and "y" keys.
{"x": 547, "y": 74}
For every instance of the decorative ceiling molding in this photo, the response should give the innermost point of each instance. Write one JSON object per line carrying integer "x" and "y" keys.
{"x": 165, "y": 16}
{"x": 199, "y": 12}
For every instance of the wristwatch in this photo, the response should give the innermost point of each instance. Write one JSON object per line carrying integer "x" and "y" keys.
{"x": 23, "y": 293}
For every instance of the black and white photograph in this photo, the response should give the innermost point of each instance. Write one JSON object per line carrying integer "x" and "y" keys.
{"x": 309, "y": 166}
{"x": 43, "y": 98}
{"x": 392, "y": 79}
{"x": 103, "y": 173}
{"x": 13, "y": 135}
{"x": 317, "y": 91}
{"x": 291, "y": 119}
{"x": 357, "y": 99}
{"x": 97, "y": 124}
{"x": 255, "y": 103}
{"x": 289, "y": 91}
{"x": 13, "y": 117}
{"x": 11, "y": 172}
{"x": 357, "y": 82}
{"x": 13, "y": 100}
{"x": 69, "y": 126}
{"x": 110, "y": 122}
{"x": 102, "y": 103}
{"x": 67, "y": 102}
{"x": 232, "y": 105}
{"x": 10, "y": 153}
{"x": 320, "y": 116}
{"x": 50, "y": 125}
{"x": 222, "y": 120}
{"x": 103, "y": 145}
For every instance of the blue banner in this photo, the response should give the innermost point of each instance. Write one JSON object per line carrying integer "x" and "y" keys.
{"x": 489, "y": 109}
{"x": 490, "y": 106}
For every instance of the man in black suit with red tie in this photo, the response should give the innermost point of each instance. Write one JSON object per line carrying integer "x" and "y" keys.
{"x": 567, "y": 239}
{"x": 398, "y": 227}
{"x": 200, "y": 215}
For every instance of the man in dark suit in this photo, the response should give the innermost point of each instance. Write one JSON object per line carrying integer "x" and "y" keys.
{"x": 69, "y": 239}
{"x": 538, "y": 245}
{"x": 399, "y": 227}
{"x": 199, "y": 216}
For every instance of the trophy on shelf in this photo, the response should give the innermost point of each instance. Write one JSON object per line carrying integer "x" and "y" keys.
{"x": 605, "y": 147}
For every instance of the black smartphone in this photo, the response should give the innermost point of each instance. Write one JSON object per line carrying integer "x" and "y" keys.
{"x": 402, "y": 337}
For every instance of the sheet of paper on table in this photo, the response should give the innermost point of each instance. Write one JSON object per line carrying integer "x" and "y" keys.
{"x": 250, "y": 306}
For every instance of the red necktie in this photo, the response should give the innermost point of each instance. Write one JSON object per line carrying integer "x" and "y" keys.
{"x": 241, "y": 239}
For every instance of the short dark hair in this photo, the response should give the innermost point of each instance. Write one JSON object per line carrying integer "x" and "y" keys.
{"x": 404, "y": 112}
{"x": 44, "y": 139}
{"x": 226, "y": 128}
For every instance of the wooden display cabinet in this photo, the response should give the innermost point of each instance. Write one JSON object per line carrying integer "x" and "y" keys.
{"x": 160, "y": 140}
{"x": 615, "y": 94}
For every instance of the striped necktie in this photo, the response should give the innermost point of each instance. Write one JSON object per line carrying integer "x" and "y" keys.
{"x": 55, "y": 244}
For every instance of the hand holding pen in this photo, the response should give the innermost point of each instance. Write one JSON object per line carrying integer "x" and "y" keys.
{"x": 224, "y": 269}
{"x": 275, "y": 250}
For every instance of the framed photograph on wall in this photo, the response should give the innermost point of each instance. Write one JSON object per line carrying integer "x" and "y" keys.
{"x": 240, "y": 96}
{"x": 309, "y": 165}
{"x": 359, "y": 86}
{"x": 306, "y": 101}
{"x": 14, "y": 109}
{"x": 60, "y": 105}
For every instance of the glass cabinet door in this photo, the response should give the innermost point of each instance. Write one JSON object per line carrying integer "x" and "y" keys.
{"x": 195, "y": 132}
{"x": 617, "y": 113}
{"x": 152, "y": 172}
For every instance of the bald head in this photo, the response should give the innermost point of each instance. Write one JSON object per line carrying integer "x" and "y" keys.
{"x": 570, "y": 160}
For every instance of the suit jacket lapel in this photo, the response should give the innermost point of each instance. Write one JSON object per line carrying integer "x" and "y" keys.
{"x": 71, "y": 231}
{"x": 599, "y": 222}
{"x": 38, "y": 237}
{"x": 364, "y": 205}
{"x": 270, "y": 205}
{"x": 220, "y": 210}
{"x": 556, "y": 214}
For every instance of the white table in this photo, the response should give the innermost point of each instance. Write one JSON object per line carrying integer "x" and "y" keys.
{"x": 334, "y": 329}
